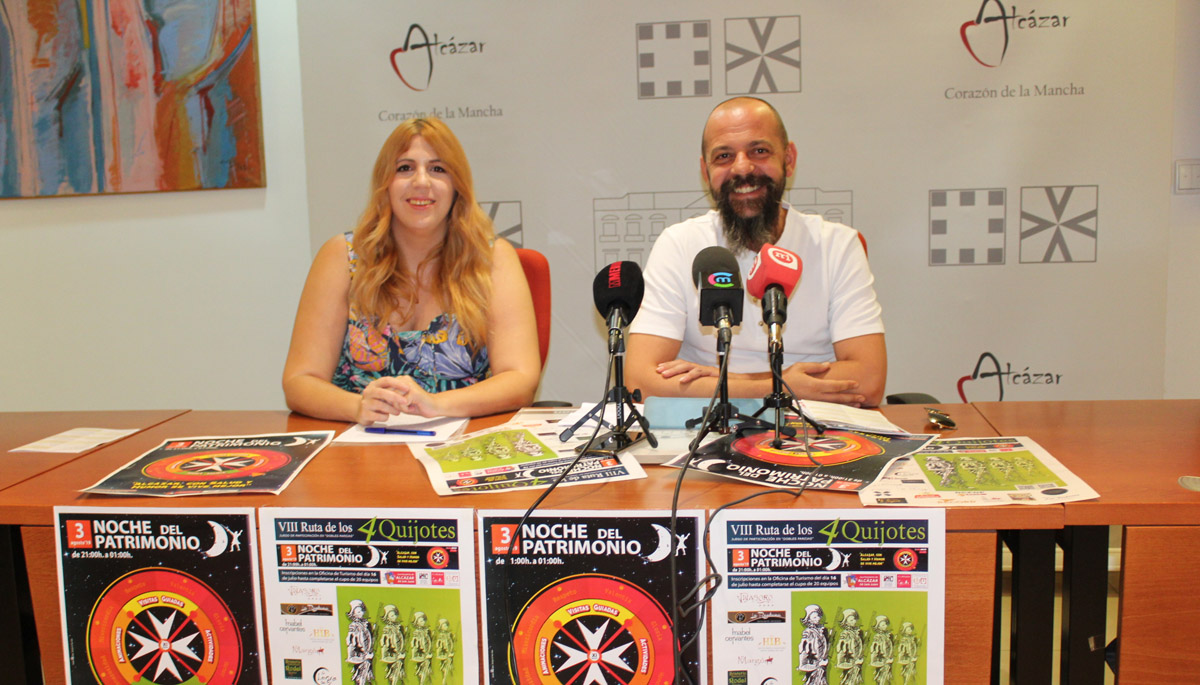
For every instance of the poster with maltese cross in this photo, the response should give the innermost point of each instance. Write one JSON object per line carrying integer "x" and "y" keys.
{"x": 587, "y": 597}
{"x": 216, "y": 465}
{"x": 159, "y": 596}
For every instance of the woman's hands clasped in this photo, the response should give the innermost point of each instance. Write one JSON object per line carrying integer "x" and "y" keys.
{"x": 390, "y": 395}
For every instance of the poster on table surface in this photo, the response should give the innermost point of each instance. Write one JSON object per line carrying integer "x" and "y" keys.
{"x": 370, "y": 595}
{"x": 977, "y": 472}
{"x": 834, "y": 460}
{"x": 159, "y": 595}
{"x": 829, "y": 596}
{"x": 585, "y": 596}
{"x": 216, "y": 465}
{"x": 517, "y": 455}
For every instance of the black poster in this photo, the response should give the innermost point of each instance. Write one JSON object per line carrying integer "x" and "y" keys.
{"x": 585, "y": 597}
{"x": 159, "y": 596}
{"x": 216, "y": 465}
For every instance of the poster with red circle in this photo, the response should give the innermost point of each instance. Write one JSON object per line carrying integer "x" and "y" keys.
{"x": 833, "y": 460}
{"x": 586, "y": 597}
{"x": 216, "y": 465}
{"x": 159, "y": 596}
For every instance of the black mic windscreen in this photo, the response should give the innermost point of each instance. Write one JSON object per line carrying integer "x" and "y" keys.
{"x": 717, "y": 267}
{"x": 716, "y": 273}
{"x": 619, "y": 284}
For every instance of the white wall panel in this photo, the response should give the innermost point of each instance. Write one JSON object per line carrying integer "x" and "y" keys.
{"x": 1070, "y": 130}
{"x": 186, "y": 299}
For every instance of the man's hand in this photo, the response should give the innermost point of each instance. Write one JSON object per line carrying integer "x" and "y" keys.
{"x": 807, "y": 380}
{"x": 684, "y": 371}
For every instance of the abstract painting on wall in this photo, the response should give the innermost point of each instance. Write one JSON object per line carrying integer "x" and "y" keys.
{"x": 127, "y": 96}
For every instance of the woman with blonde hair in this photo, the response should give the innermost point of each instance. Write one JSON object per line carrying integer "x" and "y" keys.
{"x": 420, "y": 309}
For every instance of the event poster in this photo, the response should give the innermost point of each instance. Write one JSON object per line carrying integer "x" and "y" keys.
{"x": 834, "y": 460}
{"x": 358, "y": 596}
{"x": 216, "y": 465}
{"x": 165, "y": 596}
{"x": 829, "y": 596}
{"x": 586, "y": 597}
{"x": 977, "y": 472}
{"x": 517, "y": 455}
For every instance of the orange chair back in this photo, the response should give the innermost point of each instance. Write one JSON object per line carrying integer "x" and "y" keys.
{"x": 537, "y": 273}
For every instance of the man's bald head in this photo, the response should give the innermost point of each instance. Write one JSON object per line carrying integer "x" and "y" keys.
{"x": 736, "y": 109}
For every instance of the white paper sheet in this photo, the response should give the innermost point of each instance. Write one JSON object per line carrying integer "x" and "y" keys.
{"x": 442, "y": 428}
{"x": 76, "y": 440}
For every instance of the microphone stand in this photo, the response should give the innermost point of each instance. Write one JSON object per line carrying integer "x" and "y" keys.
{"x": 617, "y": 439}
{"x": 778, "y": 400}
{"x": 724, "y": 411}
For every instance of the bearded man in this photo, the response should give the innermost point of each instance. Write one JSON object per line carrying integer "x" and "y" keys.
{"x": 834, "y": 348}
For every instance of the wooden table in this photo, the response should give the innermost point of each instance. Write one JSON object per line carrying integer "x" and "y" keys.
{"x": 18, "y": 429}
{"x": 1132, "y": 453}
{"x": 387, "y": 475}
{"x": 22, "y": 428}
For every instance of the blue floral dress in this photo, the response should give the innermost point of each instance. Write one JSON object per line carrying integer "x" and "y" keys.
{"x": 437, "y": 358}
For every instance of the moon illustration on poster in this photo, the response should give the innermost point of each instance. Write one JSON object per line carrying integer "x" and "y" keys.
{"x": 220, "y": 540}
{"x": 836, "y": 561}
{"x": 375, "y": 556}
{"x": 665, "y": 544}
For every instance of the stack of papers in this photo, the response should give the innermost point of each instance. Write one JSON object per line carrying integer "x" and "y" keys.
{"x": 844, "y": 417}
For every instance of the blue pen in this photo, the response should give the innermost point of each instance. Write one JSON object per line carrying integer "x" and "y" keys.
{"x": 397, "y": 431}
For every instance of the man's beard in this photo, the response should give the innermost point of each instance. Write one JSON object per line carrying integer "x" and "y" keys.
{"x": 749, "y": 232}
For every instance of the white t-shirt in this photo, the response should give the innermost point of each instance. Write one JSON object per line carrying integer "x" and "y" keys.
{"x": 834, "y": 300}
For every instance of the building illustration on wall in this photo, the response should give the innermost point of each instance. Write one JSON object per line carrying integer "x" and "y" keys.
{"x": 762, "y": 55}
{"x": 506, "y": 220}
{"x": 674, "y": 59}
{"x": 626, "y": 227}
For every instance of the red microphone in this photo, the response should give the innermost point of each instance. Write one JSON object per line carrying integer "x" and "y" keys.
{"x": 772, "y": 278}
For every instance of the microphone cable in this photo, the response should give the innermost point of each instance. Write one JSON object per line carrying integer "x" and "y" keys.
{"x": 703, "y": 592}
{"x": 508, "y": 622}
{"x": 806, "y": 423}
{"x": 698, "y": 592}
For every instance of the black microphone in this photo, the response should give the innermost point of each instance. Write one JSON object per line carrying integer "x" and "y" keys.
{"x": 715, "y": 272}
{"x": 617, "y": 291}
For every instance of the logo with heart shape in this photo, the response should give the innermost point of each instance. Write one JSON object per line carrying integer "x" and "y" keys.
{"x": 415, "y": 59}
{"x": 986, "y": 36}
{"x": 981, "y": 373}
{"x": 989, "y": 367}
{"x": 987, "y": 42}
